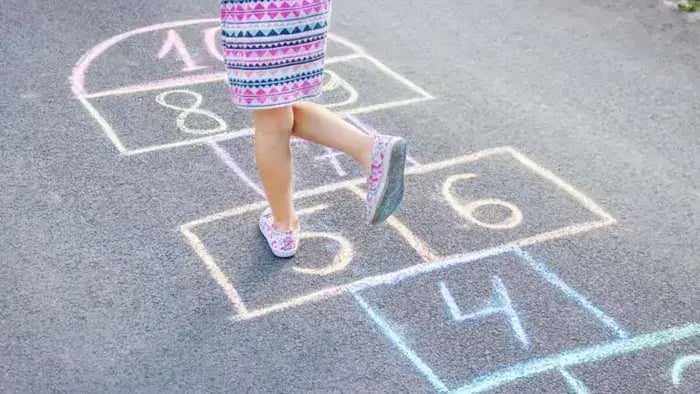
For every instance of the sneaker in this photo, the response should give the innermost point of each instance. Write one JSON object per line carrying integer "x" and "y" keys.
{"x": 385, "y": 180}
{"x": 283, "y": 244}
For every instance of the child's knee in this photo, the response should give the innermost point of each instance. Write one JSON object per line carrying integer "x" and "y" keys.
{"x": 273, "y": 120}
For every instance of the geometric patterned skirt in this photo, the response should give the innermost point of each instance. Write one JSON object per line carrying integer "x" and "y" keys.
{"x": 274, "y": 50}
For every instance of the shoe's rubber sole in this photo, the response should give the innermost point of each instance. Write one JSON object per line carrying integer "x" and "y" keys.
{"x": 392, "y": 188}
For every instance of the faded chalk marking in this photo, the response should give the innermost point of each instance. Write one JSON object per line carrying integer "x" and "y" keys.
{"x": 575, "y": 385}
{"x": 467, "y": 210}
{"x": 580, "y": 197}
{"x": 402, "y": 345}
{"x": 579, "y": 356}
{"x": 680, "y": 366}
{"x": 230, "y": 163}
{"x": 332, "y": 156}
{"x": 211, "y": 44}
{"x": 169, "y": 83}
{"x": 381, "y": 66}
{"x": 572, "y": 294}
{"x": 188, "y": 80}
{"x": 194, "y": 108}
{"x": 340, "y": 260}
{"x": 215, "y": 271}
{"x": 174, "y": 41}
{"x": 500, "y": 304}
{"x": 426, "y": 254}
{"x": 336, "y": 82}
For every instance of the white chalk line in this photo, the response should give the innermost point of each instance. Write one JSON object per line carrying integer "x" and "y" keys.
{"x": 111, "y": 134}
{"x": 420, "y": 246}
{"x": 246, "y": 132}
{"x": 580, "y": 197}
{"x": 230, "y": 163}
{"x": 215, "y": 271}
{"x": 189, "y": 80}
{"x": 431, "y": 261}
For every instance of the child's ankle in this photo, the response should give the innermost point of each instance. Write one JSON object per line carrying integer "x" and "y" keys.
{"x": 290, "y": 224}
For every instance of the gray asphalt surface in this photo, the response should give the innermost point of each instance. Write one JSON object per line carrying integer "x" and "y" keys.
{"x": 101, "y": 292}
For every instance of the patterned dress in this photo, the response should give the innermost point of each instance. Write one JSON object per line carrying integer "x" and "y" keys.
{"x": 274, "y": 50}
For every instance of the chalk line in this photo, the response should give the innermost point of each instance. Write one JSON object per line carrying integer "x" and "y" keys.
{"x": 574, "y": 384}
{"x": 197, "y": 79}
{"x": 230, "y": 163}
{"x": 400, "y": 343}
{"x": 580, "y": 356}
{"x": 500, "y": 304}
{"x": 680, "y": 365}
{"x": 215, "y": 271}
{"x": 571, "y": 293}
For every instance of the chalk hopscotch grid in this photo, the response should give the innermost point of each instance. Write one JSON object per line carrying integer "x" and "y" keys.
{"x": 81, "y": 68}
{"x": 622, "y": 343}
{"x": 432, "y": 261}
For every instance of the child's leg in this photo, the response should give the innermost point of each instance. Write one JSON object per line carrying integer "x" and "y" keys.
{"x": 317, "y": 124}
{"x": 381, "y": 157}
{"x": 273, "y": 128}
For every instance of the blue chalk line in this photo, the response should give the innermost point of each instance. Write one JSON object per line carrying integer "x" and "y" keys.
{"x": 580, "y": 356}
{"x": 572, "y": 294}
{"x": 500, "y": 304}
{"x": 385, "y": 327}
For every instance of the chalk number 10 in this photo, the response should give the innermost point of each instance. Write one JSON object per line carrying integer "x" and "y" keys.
{"x": 173, "y": 43}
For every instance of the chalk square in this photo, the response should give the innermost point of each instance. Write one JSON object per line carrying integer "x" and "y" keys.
{"x": 552, "y": 315}
{"x": 430, "y": 260}
{"x": 338, "y": 247}
{"x": 497, "y": 198}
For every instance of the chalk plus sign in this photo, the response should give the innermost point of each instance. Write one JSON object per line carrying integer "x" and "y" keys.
{"x": 332, "y": 156}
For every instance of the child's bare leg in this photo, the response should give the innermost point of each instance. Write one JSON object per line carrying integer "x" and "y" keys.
{"x": 273, "y": 128}
{"x": 317, "y": 124}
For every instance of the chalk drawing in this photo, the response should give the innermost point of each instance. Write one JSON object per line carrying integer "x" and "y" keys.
{"x": 579, "y": 356}
{"x": 174, "y": 41}
{"x": 535, "y": 366}
{"x": 194, "y": 108}
{"x": 224, "y": 156}
{"x": 335, "y": 82}
{"x": 402, "y": 344}
{"x": 340, "y": 260}
{"x": 424, "y": 251}
{"x": 212, "y": 45}
{"x": 432, "y": 262}
{"x": 572, "y": 294}
{"x": 332, "y": 156}
{"x": 681, "y": 364}
{"x": 467, "y": 210}
{"x": 500, "y": 305}
{"x": 575, "y": 385}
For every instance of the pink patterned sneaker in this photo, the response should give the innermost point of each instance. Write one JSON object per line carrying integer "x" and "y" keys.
{"x": 385, "y": 180}
{"x": 283, "y": 244}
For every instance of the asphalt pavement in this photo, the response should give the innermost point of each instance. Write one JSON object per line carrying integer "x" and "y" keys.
{"x": 548, "y": 241}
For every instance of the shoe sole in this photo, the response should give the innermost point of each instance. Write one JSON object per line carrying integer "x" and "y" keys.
{"x": 392, "y": 188}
